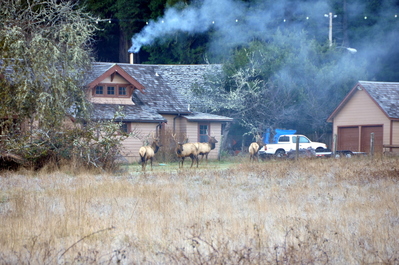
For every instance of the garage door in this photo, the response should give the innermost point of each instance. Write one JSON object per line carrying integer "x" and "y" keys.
{"x": 365, "y": 142}
{"x": 348, "y": 138}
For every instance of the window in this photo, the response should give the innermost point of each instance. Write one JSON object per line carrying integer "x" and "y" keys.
{"x": 223, "y": 128}
{"x": 285, "y": 139}
{"x": 122, "y": 91}
{"x": 99, "y": 90}
{"x": 204, "y": 133}
{"x": 111, "y": 90}
{"x": 301, "y": 139}
{"x": 124, "y": 127}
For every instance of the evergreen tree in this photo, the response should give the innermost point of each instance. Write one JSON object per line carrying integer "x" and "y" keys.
{"x": 289, "y": 81}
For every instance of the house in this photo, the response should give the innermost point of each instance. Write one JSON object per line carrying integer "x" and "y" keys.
{"x": 152, "y": 103}
{"x": 370, "y": 107}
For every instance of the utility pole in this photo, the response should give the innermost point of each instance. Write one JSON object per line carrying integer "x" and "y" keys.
{"x": 330, "y": 17}
{"x": 330, "y": 29}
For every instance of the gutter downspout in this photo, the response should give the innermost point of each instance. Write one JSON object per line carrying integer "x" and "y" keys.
{"x": 158, "y": 129}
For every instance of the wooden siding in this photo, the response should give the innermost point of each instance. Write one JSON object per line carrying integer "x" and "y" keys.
{"x": 361, "y": 110}
{"x": 192, "y": 131}
{"x": 175, "y": 125}
{"x": 131, "y": 146}
{"x": 393, "y": 145}
{"x": 111, "y": 100}
{"x": 215, "y": 130}
{"x": 117, "y": 80}
{"x": 395, "y": 133}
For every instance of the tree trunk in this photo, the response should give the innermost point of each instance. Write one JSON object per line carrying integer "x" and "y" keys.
{"x": 345, "y": 41}
{"x": 223, "y": 142}
{"x": 123, "y": 47}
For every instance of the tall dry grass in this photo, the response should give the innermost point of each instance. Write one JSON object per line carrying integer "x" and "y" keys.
{"x": 320, "y": 211}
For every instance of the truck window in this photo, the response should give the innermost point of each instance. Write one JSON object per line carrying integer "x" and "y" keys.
{"x": 303, "y": 139}
{"x": 284, "y": 139}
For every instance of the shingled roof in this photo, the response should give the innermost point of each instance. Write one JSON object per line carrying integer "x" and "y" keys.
{"x": 157, "y": 94}
{"x": 133, "y": 113}
{"x": 384, "y": 94}
{"x": 160, "y": 92}
{"x": 199, "y": 116}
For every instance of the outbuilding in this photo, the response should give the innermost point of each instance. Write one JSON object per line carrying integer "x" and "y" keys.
{"x": 369, "y": 107}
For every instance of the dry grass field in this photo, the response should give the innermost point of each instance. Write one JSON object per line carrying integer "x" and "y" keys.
{"x": 315, "y": 211}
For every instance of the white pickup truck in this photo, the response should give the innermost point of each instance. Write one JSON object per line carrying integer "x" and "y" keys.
{"x": 287, "y": 143}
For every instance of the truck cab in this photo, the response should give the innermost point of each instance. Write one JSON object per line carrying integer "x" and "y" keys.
{"x": 288, "y": 143}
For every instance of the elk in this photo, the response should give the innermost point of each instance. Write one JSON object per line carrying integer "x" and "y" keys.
{"x": 148, "y": 152}
{"x": 184, "y": 150}
{"x": 205, "y": 148}
{"x": 187, "y": 150}
{"x": 254, "y": 148}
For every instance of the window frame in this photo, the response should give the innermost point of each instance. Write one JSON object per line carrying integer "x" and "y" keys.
{"x": 208, "y": 134}
{"x": 123, "y": 126}
{"x": 105, "y": 89}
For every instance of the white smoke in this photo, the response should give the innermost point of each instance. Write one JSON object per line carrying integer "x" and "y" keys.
{"x": 193, "y": 19}
{"x": 234, "y": 21}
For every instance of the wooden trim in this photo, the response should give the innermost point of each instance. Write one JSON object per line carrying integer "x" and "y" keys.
{"x": 390, "y": 135}
{"x": 347, "y": 98}
{"x": 209, "y": 129}
{"x": 359, "y": 138}
{"x": 116, "y": 95}
{"x": 390, "y": 146}
{"x": 117, "y": 69}
{"x": 343, "y": 102}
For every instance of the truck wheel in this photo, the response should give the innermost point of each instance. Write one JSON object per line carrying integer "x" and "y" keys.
{"x": 280, "y": 153}
{"x": 348, "y": 155}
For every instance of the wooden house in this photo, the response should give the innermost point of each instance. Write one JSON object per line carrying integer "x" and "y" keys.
{"x": 370, "y": 107}
{"x": 151, "y": 102}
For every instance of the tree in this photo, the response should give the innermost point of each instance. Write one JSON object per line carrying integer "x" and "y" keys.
{"x": 45, "y": 48}
{"x": 122, "y": 19}
{"x": 45, "y": 52}
{"x": 284, "y": 81}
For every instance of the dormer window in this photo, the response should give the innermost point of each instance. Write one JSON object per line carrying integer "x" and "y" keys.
{"x": 110, "y": 90}
{"x": 122, "y": 91}
{"x": 99, "y": 90}
{"x": 113, "y": 90}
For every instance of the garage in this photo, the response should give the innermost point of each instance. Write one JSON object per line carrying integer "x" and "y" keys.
{"x": 369, "y": 107}
{"x": 349, "y": 138}
{"x": 366, "y": 136}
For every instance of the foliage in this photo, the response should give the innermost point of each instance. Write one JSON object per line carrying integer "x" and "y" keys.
{"x": 45, "y": 54}
{"x": 287, "y": 81}
{"x": 94, "y": 145}
{"x": 181, "y": 48}
{"x": 45, "y": 50}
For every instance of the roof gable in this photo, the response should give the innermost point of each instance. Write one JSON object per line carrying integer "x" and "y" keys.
{"x": 110, "y": 72}
{"x": 384, "y": 94}
{"x": 164, "y": 88}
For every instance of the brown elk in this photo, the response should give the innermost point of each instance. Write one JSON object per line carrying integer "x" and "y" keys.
{"x": 184, "y": 150}
{"x": 205, "y": 148}
{"x": 148, "y": 152}
{"x": 254, "y": 149}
